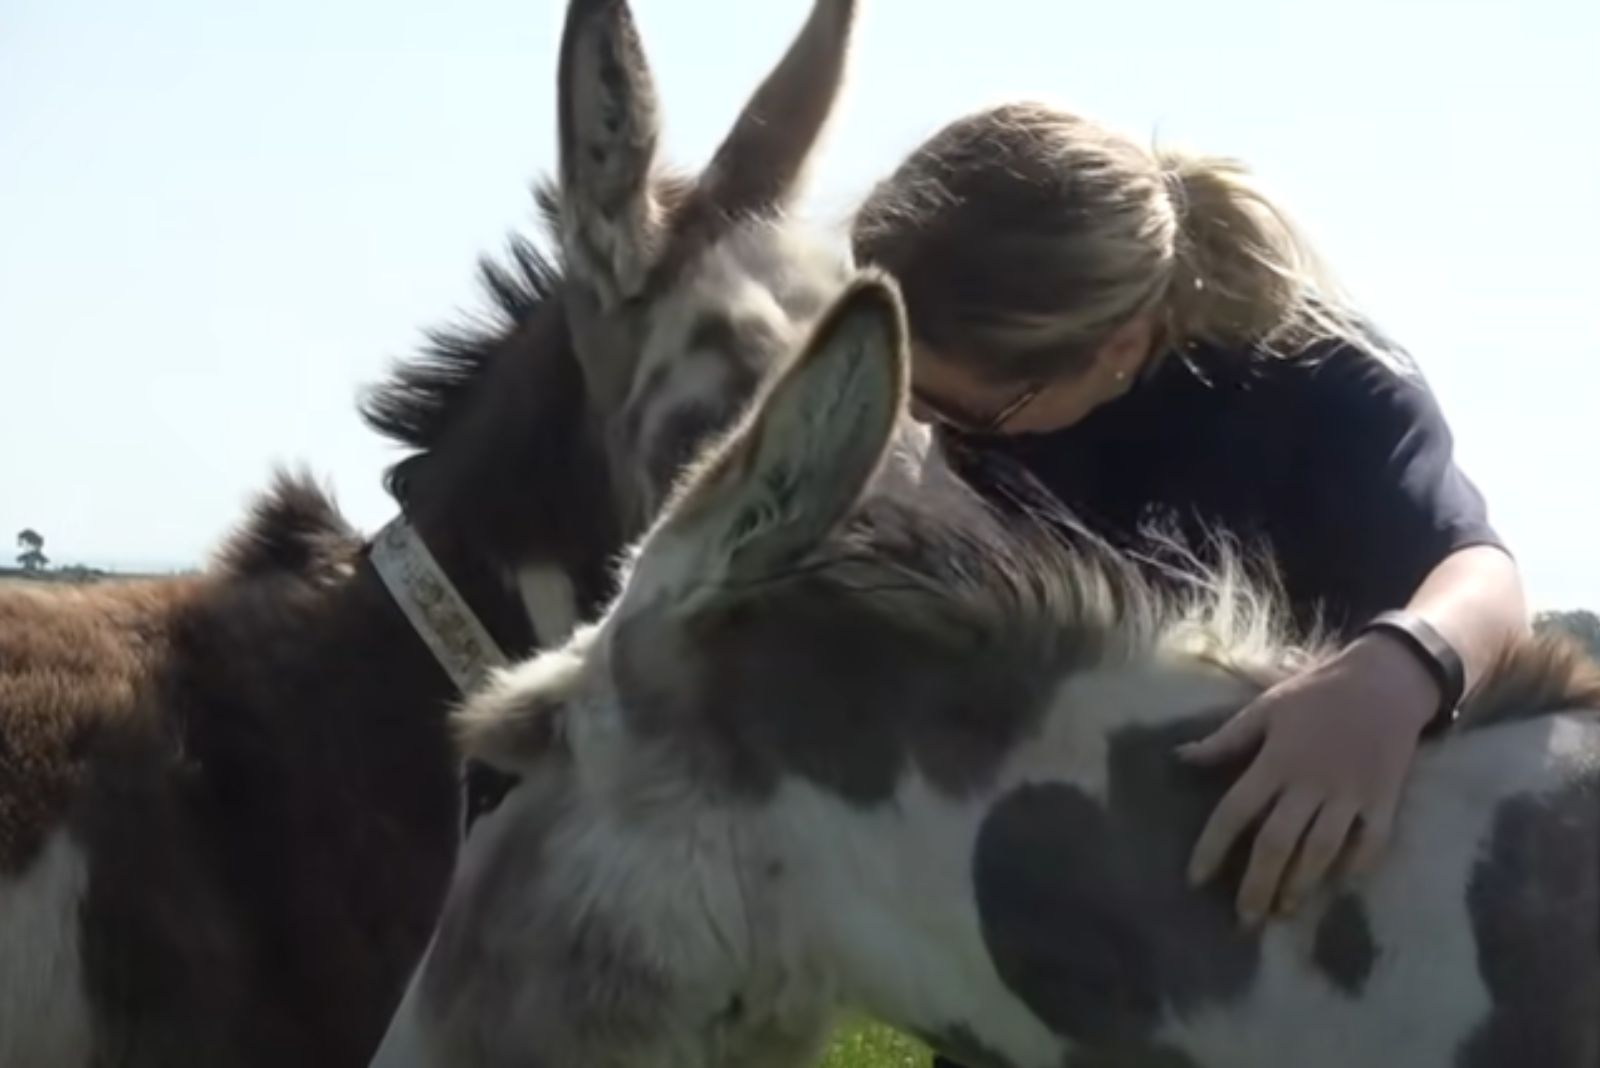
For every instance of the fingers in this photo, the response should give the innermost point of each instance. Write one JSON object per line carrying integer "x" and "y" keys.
{"x": 1238, "y": 808}
{"x": 1372, "y": 838}
{"x": 1274, "y": 848}
{"x": 1240, "y": 735}
{"x": 1320, "y": 849}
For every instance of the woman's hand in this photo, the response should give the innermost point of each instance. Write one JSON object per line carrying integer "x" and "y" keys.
{"x": 1335, "y": 745}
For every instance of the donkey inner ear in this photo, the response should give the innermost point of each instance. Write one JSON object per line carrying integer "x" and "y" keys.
{"x": 778, "y": 486}
{"x": 762, "y": 160}
{"x": 609, "y": 125}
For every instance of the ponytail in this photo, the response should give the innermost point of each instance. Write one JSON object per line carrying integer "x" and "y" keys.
{"x": 1022, "y": 236}
{"x": 1243, "y": 274}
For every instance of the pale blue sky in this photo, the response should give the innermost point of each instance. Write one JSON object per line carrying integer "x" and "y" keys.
{"x": 217, "y": 221}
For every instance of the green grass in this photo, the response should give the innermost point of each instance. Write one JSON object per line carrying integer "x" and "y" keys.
{"x": 870, "y": 1046}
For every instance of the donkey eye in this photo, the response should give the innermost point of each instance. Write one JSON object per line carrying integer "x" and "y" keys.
{"x": 680, "y": 439}
{"x": 483, "y": 788}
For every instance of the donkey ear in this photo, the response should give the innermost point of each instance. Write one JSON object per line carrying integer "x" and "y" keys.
{"x": 609, "y": 125}
{"x": 780, "y": 484}
{"x": 760, "y": 163}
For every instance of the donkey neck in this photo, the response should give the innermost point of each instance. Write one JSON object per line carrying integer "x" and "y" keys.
{"x": 310, "y": 701}
{"x": 928, "y": 910}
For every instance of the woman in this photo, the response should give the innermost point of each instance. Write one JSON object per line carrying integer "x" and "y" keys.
{"x": 1150, "y": 336}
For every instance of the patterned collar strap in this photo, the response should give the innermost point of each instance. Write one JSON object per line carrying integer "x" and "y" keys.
{"x": 437, "y": 612}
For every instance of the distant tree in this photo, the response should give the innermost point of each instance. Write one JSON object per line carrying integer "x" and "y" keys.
{"x": 32, "y": 557}
{"x": 1580, "y": 623}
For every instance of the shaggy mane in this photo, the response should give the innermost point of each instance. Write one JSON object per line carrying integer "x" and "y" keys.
{"x": 1025, "y": 585}
{"x": 424, "y": 395}
{"x": 294, "y": 526}
{"x": 1017, "y": 571}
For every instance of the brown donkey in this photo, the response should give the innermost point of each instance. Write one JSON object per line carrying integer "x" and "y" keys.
{"x": 228, "y": 803}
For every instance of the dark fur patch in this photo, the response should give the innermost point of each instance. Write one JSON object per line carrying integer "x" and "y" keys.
{"x": 504, "y": 426}
{"x": 1535, "y": 905}
{"x": 796, "y": 683}
{"x": 293, "y": 527}
{"x": 1345, "y": 950}
{"x": 680, "y": 438}
{"x": 1154, "y": 1055}
{"x": 715, "y": 332}
{"x": 960, "y": 1042}
{"x": 1086, "y": 909}
{"x": 172, "y": 968}
{"x": 737, "y": 341}
{"x": 426, "y": 395}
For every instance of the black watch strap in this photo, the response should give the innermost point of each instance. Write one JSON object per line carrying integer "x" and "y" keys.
{"x": 1436, "y": 654}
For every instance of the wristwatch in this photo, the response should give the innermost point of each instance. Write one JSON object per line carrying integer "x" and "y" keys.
{"x": 1437, "y": 656}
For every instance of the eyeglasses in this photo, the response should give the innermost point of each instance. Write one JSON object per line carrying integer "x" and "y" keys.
{"x": 965, "y": 422}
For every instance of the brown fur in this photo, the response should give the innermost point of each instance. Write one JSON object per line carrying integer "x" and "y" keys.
{"x": 1538, "y": 674}
{"x": 267, "y": 836}
{"x": 74, "y": 661}
{"x": 294, "y": 527}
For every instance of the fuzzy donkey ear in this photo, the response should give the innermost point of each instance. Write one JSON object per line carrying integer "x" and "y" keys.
{"x": 609, "y": 123}
{"x": 761, "y": 163}
{"x": 780, "y": 483}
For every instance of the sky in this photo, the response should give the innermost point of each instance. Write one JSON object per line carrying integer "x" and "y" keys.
{"x": 219, "y": 222}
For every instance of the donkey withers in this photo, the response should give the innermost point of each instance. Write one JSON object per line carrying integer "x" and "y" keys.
{"x": 228, "y": 803}
{"x": 846, "y": 738}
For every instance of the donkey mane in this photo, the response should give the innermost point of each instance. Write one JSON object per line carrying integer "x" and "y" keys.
{"x": 1016, "y": 569}
{"x": 294, "y": 526}
{"x": 1019, "y": 576}
{"x": 425, "y": 395}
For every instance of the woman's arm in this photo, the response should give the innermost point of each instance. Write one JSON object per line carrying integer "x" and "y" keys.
{"x": 1401, "y": 525}
{"x": 1337, "y": 742}
{"x": 1474, "y": 598}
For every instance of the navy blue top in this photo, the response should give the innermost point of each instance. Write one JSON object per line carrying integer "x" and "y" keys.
{"x": 1340, "y": 467}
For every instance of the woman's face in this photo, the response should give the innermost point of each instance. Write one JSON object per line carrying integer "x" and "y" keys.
{"x": 946, "y": 390}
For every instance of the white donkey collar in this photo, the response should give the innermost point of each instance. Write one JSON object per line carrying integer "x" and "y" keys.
{"x": 437, "y": 611}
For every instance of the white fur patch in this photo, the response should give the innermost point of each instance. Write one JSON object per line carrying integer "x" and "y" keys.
{"x": 44, "y": 1011}
{"x": 1071, "y": 745}
{"x": 881, "y": 900}
{"x": 1424, "y": 994}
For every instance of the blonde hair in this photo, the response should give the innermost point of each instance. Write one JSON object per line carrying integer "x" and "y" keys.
{"x": 1022, "y": 236}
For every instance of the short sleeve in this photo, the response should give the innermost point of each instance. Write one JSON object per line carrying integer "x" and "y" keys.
{"x": 1382, "y": 499}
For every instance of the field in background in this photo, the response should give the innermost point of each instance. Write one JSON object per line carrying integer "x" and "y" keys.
{"x": 869, "y": 1046}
